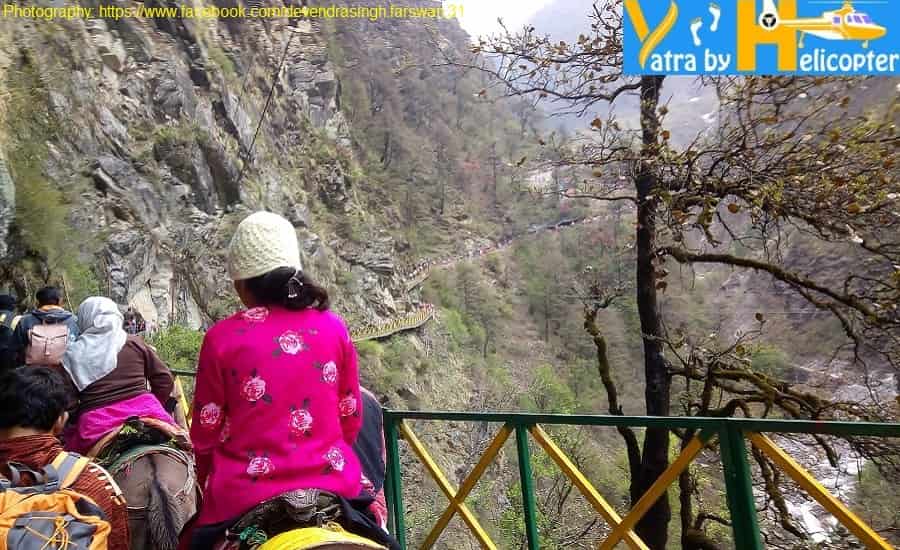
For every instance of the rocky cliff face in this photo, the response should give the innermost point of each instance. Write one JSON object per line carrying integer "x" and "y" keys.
{"x": 7, "y": 204}
{"x": 153, "y": 155}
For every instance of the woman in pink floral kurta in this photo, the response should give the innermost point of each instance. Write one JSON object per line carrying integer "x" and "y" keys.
{"x": 277, "y": 395}
{"x": 277, "y": 399}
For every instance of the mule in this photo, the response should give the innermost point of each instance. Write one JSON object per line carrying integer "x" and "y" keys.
{"x": 157, "y": 479}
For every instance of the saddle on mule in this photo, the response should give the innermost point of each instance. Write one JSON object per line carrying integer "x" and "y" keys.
{"x": 138, "y": 437}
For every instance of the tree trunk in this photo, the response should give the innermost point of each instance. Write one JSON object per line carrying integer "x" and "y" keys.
{"x": 632, "y": 447}
{"x": 653, "y": 527}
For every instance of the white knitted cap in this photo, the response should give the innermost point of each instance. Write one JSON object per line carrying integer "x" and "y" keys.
{"x": 262, "y": 242}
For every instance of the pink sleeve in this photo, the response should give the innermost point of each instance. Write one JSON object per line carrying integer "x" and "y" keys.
{"x": 351, "y": 400}
{"x": 208, "y": 408}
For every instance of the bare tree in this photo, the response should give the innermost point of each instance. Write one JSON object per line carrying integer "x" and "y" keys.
{"x": 792, "y": 159}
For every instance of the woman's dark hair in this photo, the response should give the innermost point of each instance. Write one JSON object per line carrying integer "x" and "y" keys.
{"x": 32, "y": 397}
{"x": 288, "y": 287}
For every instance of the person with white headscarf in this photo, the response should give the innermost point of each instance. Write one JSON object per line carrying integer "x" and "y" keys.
{"x": 110, "y": 370}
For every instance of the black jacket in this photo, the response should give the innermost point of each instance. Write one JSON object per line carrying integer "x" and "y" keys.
{"x": 8, "y": 346}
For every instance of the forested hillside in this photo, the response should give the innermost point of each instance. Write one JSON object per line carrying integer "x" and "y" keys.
{"x": 498, "y": 236}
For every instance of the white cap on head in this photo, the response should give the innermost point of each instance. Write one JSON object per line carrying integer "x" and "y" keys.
{"x": 262, "y": 243}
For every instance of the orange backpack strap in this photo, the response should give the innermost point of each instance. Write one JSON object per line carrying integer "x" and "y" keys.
{"x": 68, "y": 467}
{"x": 71, "y": 465}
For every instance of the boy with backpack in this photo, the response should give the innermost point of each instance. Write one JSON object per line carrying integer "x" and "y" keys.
{"x": 49, "y": 498}
{"x": 8, "y": 322}
{"x": 43, "y": 334}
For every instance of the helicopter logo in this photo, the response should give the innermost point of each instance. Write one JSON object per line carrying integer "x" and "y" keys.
{"x": 842, "y": 24}
{"x": 763, "y": 37}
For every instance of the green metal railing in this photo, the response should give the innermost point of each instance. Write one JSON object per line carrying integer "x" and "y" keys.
{"x": 733, "y": 435}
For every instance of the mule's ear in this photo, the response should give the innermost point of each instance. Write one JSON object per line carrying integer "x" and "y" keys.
{"x": 60, "y": 423}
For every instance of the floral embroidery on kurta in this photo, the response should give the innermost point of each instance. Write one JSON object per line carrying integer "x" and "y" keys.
{"x": 348, "y": 405}
{"x": 256, "y": 315}
{"x": 291, "y": 343}
{"x": 336, "y": 461}
{"x": 210, "y": 415}
{"x": 301, "y": 420}
{"x": 253, "y": 389}
{"x": 259, "y": 466}
{"x": 329, "y": 372}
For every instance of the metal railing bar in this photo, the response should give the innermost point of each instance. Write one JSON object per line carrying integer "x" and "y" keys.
{"x": 527, "y": 480}
{"x": 394, "y": 483}
{"x": 739, "y": 490}
{"x": 699, "y": 423}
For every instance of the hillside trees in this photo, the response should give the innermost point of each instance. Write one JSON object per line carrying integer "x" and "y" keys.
{"x": 794, "y": 162}
{"x": 428, "y": 143}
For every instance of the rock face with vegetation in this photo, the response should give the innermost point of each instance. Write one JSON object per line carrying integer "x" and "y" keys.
{"x": 131, "y": 148}
{"x": 7, "y": 204}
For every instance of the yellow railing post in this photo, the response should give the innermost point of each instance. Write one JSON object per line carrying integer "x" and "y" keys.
{"x": 804, "y": 479}
{"x": 467, "y": 485}
{"x": 654, "y": 492}
{"x": 182, "y": 400}
{"x": 445, "y": 486}
{"x": 590, "y": 493}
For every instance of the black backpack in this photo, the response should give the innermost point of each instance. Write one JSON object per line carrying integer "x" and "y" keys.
{"x": 8, "y": 347}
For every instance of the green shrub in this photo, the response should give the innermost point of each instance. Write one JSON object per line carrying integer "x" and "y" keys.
{"x": 41, "y": 210}
{"x": 218, "y": 56}
{"x": 400, "y": 355}
{"x": 440, "y": 290}
{"x": 369, "y": 350}
{"x": 81, "y": 282}
{"x": 549, "y": 392}
{"x": 178, "y": 347}
{"x": 456, "y": 329}
{"x": 771, "y": 361}
{"x": 379, "y": 370}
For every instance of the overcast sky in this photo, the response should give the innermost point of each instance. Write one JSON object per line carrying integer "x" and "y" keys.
{"x": 480, "y": 16}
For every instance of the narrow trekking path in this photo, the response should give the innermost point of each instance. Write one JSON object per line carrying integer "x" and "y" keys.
{"x": 419, "y": 273}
